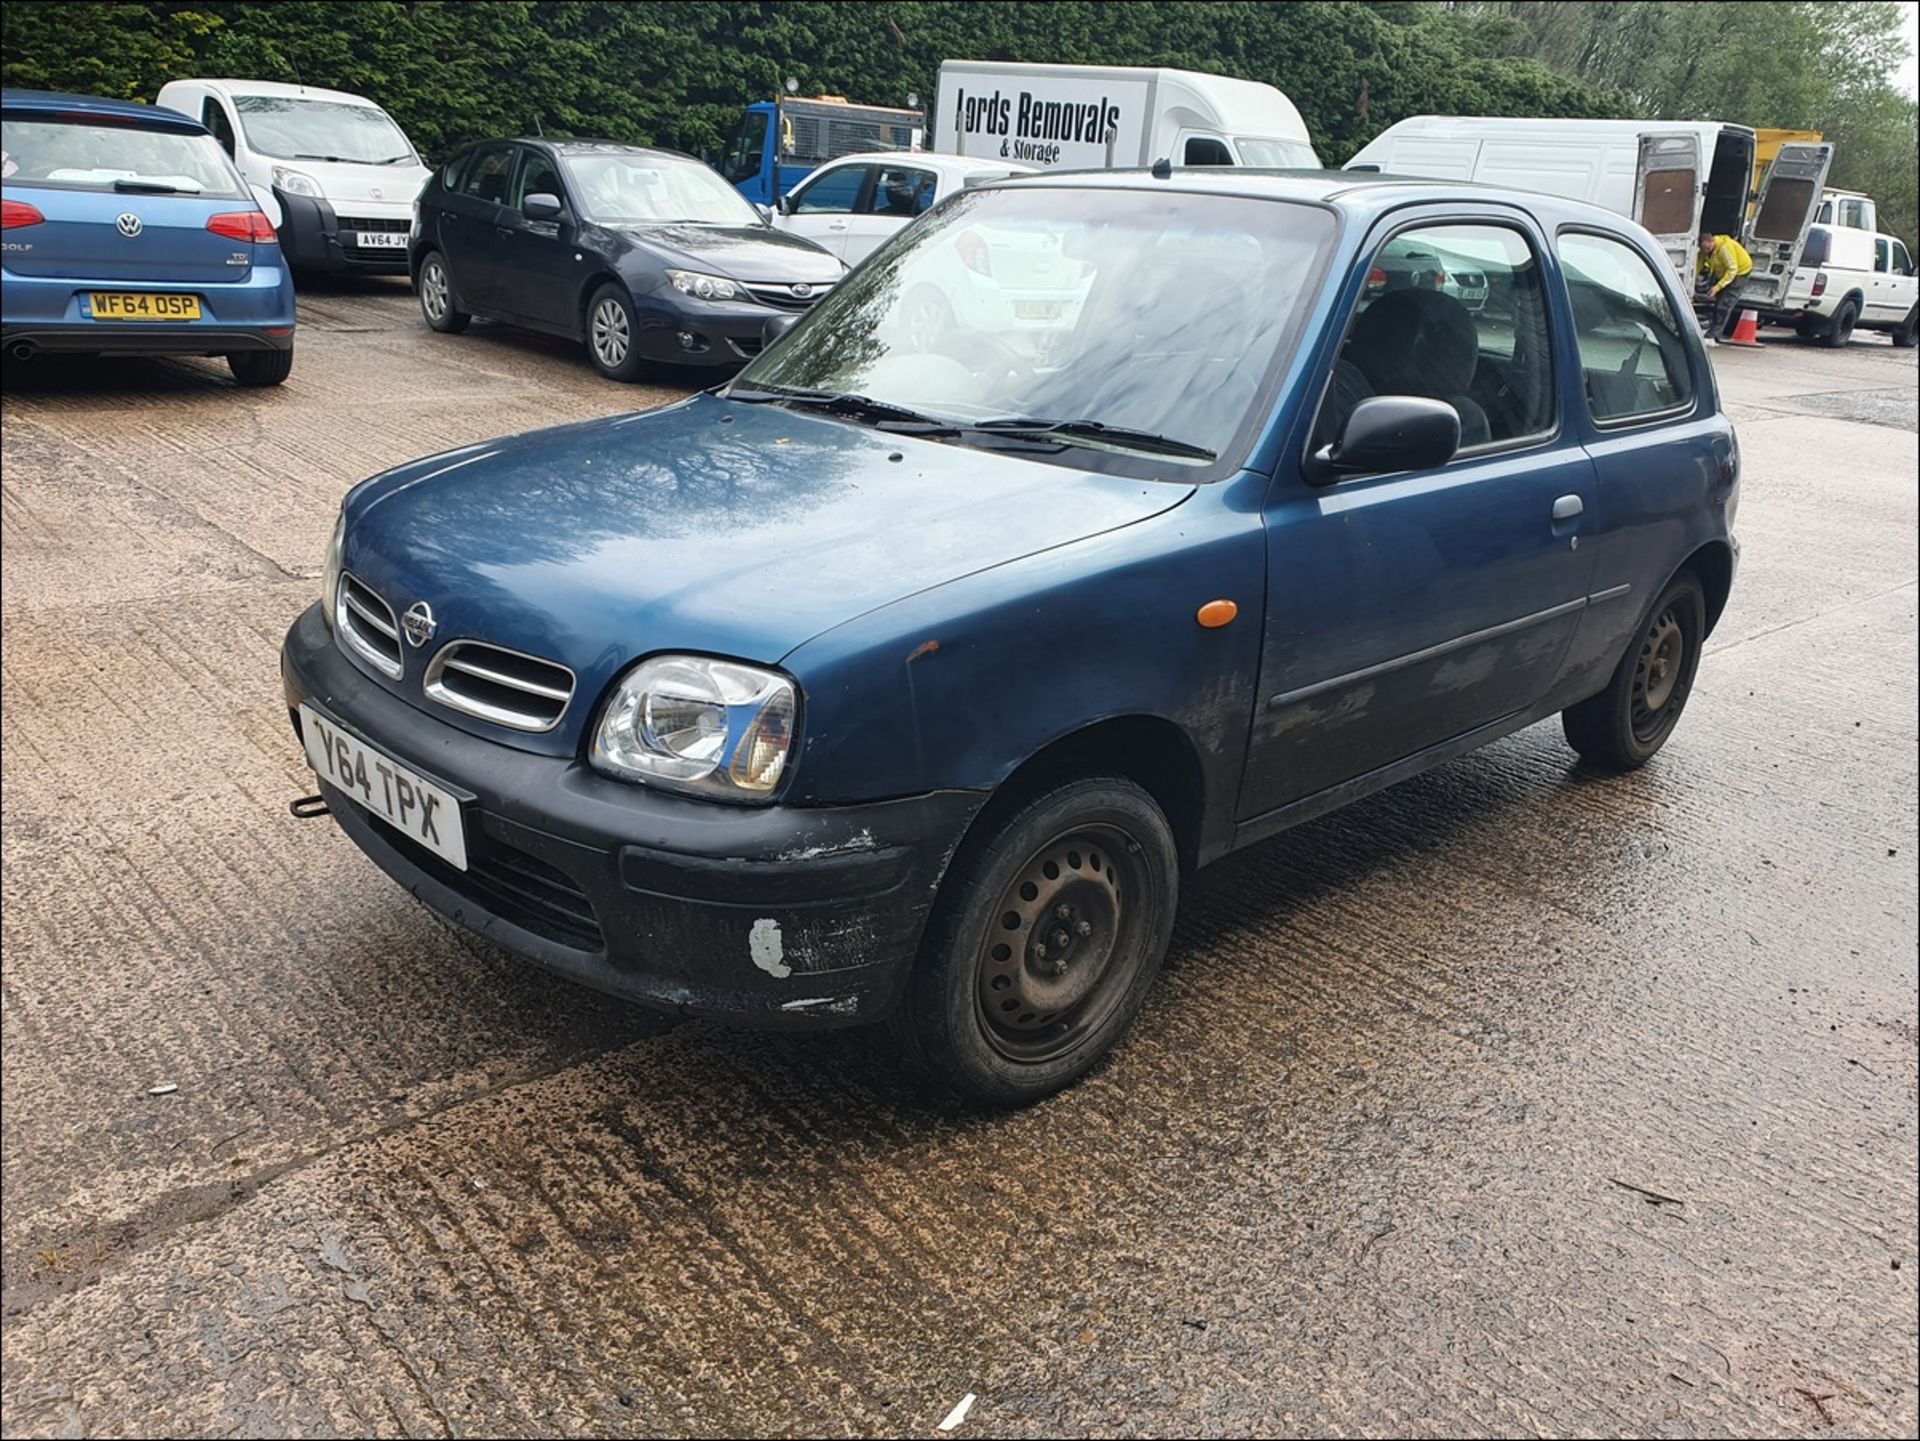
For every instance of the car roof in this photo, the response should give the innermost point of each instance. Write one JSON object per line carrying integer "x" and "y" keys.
{"x": 1366, "y": 194}
{"x": 152, "y": 117}
{"x": 278, "y": 88}
{"x": 934, "y": 160}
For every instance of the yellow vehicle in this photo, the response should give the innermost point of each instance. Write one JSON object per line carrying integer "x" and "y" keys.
{"x": 1767, "y": 144}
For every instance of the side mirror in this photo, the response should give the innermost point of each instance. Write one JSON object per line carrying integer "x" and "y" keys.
{"x": 776, "y": 326}
{"x": 1390, "y": 432}
{"x": 784, "y": 204}
{"x": 542, "y": 206}
{"x": 766, "y": 214}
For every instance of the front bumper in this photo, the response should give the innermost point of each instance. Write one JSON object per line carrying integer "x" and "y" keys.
{"x": 316, "y": 238}
{"x": 781, "y": 916}
{"x": 676, "y": 330}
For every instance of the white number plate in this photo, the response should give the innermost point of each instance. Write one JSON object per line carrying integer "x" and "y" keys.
{"x": 411, "y": 804}
{"x": 380, "y": 239}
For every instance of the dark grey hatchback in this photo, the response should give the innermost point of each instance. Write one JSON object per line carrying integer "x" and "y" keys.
{"x": 646, "y": 255}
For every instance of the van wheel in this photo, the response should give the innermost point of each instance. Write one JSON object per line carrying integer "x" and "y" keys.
{"x": 1840, "y": 329}
{"x": 261, "y": 367}
{"x": 1908, "y": 331}
{"x": 612, "y": 333}
{"x": 1043, "y": 944}
{"x": 1622, "y": 727}
{"x": 436, "y": 297}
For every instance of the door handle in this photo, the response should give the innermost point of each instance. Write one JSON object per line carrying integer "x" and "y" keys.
{"x": 837, "y": 225}
{"x": 1567, "y": 507}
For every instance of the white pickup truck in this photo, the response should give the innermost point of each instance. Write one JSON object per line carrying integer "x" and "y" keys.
{"x": 1851, "y": 277}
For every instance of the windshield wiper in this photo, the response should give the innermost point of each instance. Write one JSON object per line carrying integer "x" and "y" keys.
{"x": 391, "y": 160}
{"x": 1067, "y": 432}
{"x": 332, "y": 159}
{"x": 834, "y": 402}
{"x": 155, "y": 187}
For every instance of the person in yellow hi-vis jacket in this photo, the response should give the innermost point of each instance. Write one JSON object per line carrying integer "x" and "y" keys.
{"x": 1727, "y": 265}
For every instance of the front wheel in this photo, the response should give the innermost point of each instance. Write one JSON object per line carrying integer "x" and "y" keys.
{"x": 261, "y": 367}
{"x": 1622, "y": 727}
{"x": 611, "y": 333}
{"x": 1908, "y": 332}
{"x": 436, "y": 297}
{"x": 1044, "y": 943}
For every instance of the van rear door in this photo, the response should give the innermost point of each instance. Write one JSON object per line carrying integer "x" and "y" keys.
{"x": 1789, "y": 196}
{"x": 1666, "y": 194}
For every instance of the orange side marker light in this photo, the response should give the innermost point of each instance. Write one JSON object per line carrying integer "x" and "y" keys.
{"x": 1216, "y": 613}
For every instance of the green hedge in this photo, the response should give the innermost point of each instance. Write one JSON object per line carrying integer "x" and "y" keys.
{"x": 678, "y": 74}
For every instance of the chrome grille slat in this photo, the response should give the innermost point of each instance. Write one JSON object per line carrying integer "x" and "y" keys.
{"x": 503, "y": 687}
{"x": 781, "y": 294}
{"x": 366, "y": 625}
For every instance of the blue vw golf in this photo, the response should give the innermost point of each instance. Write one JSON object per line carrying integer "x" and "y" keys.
{"x": 906, "y": 676}
{"x": 125, "y": 230}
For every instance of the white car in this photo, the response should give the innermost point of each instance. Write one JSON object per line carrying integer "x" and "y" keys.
{"x": 855, "y": 204}
{"x": 1851, "y": 279}
{"x": 335, "y": 174}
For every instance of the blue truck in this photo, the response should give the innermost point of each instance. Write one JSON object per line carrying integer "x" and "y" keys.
{"x": 780, "y": 142}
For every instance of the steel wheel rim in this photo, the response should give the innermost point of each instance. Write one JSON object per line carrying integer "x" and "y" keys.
{"x": 1051, "y": 968}
{"x": 1658, "y": 673}
{"x": 611, "y": 335}
{"x": 433, "y": 291}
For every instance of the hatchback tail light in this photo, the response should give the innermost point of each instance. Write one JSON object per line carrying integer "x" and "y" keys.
{"x": 1819, "y": 281}
{"x": 972, "y": 251}
{"x": 249, "y": 225}
{"x": 14, "y": 213}
{"x": 1376, "y": 276}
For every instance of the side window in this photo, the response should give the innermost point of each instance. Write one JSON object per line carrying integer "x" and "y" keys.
{"x": 1453, "y": 313}
{"x": 749, "y": 142}
{"x": 488, "y": 174}
{"x": 1902, "y": 261}
{"x": 538, "y": 176}
{"x": 455, "y": 171}
{"x": 834, "y": 193}
{"x": 899, "y": 191}
{"x": 1632, "y": 354}
{"x": 1205, "y": 150}
{"x": 213, "y": 115}
{"x": 1853, "y": 213}
{"x": 1881, "y": 255}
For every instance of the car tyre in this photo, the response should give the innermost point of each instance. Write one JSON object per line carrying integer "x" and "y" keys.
{"x": 613, "y": 333}
{"x": 1621, "y": 728}
{"x": 261, "y": 367}
{"x": 1840, "y": 329}
{"x": 437, "y": 307}
{"x": 1908, "y": 332}
{"x": 1046, "y": 938}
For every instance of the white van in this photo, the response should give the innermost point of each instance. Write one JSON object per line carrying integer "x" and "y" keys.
{"x": 1090, "y": 116}
{"x": 1677, "y": 178}
{"x": 334, "y": 173}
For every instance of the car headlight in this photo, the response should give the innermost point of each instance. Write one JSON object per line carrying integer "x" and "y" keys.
{"x": 295, "y": 182}
{"x": 706, "y": 287}
{"x": 710, "y": 727}
{"x": 330, "y": 574}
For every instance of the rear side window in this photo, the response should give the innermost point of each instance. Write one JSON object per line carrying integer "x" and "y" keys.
{"x": 1819, "y": 245}
{"x": 75, "y": 155}
{"x": 1453, "y": 313}
{"x": 1632, "y": 355}
{"x": 901, "y": 192}
{"x": 456, "y": 170}
{"x": 488, "y": 174}
{"x": 213, "y": 115}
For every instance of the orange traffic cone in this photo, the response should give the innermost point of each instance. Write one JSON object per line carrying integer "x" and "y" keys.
{"x": 1746, "y": 331}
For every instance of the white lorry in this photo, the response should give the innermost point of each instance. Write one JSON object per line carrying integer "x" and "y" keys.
{"x": 335, "y": 174}
{"x": 1090, "y": 116}
{"x": 1677, "y": 178}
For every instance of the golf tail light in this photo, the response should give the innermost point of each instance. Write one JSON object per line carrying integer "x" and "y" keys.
{"x": 692, "y": 723}
{"x": 248, "y": 225}
{"x": 15, "y": 213}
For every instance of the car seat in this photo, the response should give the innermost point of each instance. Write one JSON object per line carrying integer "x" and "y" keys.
{"x": 1422, "y": 342}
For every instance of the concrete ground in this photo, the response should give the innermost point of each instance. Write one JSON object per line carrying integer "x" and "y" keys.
{"x": 1512, "y": 1100}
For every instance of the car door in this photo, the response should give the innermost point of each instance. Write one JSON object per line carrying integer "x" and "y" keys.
{"x": 1905, "y": 287}
{"x": 821, "y": 207}
{"x": 1408, "y": 610}
{"x": 1881, "y": 303}
{"x": 897, "y": 195}
{"x": 537, "y": 274}
{"x": 466, "y": 223}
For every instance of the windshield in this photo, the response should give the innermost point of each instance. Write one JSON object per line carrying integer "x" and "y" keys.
{"x": 77, "y": 156}
{"x": 1151, "y": 313}
{"x": 638, "y": 188}
{"x": 1260, "y": 153}
{"x": 292, "y": 127}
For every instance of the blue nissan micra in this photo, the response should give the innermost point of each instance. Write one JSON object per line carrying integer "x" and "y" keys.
{"x": 907, "y": 675}
{"x": 126, "y": 230}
